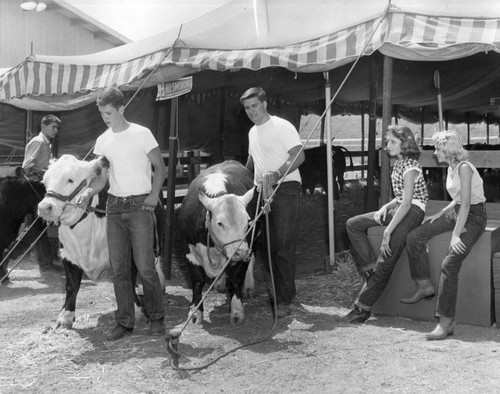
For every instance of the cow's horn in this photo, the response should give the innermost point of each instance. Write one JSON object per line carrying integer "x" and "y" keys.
{"x": 247, "y": 197}
{"x": 205, "y": 200}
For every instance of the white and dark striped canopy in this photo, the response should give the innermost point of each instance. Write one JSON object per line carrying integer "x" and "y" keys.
{"x": 301, "y": 36}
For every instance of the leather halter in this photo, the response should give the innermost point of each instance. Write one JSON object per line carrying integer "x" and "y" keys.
{"x": 61, "y": 197}
{"x": 222, "y": 247}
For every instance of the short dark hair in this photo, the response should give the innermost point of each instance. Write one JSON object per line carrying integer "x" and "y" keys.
{"x": 254, "y": 92}
{"x": 409, "y": 146}
{"x": 111, "y": 96}
{"x": 49, "y": 119}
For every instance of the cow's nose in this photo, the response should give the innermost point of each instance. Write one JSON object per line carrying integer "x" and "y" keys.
{"x": 44, "y": 209}
{"x": 241, "y": 254}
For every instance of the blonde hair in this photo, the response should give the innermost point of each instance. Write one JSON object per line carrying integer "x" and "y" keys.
{"x": 453, "y": 148}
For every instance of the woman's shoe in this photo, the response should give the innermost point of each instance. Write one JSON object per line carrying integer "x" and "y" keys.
{"x": 442, "y": 330}
{"x": 425, "y": 290}
{"x": 419, "y": 295}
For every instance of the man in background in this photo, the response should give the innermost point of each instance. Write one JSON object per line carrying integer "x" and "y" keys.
{"x": 38, "y": 151}
{"x": 37, "y": 156}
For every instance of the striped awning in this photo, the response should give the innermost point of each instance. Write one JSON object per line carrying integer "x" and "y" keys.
{"x": 400, "y": 35}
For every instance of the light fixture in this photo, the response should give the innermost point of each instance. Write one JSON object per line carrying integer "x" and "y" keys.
{"x": 40, "y": 6}
{"x": 29, "y": 5}
{"x": 33, "y": 5}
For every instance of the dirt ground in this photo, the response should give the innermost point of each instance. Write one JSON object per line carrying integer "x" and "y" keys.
{"x": 308, "y": 352}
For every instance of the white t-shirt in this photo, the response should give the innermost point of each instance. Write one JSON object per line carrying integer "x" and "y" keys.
{"x": 269, "y": 143}
{"x": 130, "y": 168}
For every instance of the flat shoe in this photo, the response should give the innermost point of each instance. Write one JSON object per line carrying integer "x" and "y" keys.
{"x": 419, "y": 295}
{"x": 440, "y": 333}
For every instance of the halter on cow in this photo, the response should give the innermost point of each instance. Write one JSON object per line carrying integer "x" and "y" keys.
{"x": 214, "y": 219}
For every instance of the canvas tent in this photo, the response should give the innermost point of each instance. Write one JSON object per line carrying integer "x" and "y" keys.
{"x": 301, "y": 37}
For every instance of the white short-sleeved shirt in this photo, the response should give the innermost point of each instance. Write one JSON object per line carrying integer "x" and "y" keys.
{"x": 130, "y": 168}
{"x": 269, "y": 143}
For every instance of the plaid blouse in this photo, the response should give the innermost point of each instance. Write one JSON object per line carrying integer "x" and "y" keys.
{"x": 401, "y": 167}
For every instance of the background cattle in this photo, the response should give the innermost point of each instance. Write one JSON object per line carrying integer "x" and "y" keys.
{"x": 314, "y": 172}
{"x": 82, "y": 232}
{"x": 19, "y": 196}
{"x": 213, "y": 220}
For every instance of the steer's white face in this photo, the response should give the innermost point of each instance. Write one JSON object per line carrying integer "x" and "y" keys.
{"x": 227, "y": 220}
{"x": 63, "y": 177}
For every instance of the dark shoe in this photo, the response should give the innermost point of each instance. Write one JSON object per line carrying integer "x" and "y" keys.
{"x": 118, "y": 332}
{"x": 441, "y": 331}
{"x": 357, "y": 315}
{"x": 283, "y": 311}
{"x": 157, "y": 328}
{"x": 368, "y": 274}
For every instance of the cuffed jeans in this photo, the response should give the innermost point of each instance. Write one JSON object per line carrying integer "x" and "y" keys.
{"x": 131, "y": 231}
{"x": 416, "y": 245}
{"x": 357, "y": 230}
{"x": 283, "y": 220}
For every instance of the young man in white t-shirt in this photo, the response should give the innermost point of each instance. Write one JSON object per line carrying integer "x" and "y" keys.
{"x": 274, "y": 147}
{"x": 130, "y": 149}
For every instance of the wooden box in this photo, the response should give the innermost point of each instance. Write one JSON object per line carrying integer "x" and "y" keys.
{"x": 495, "y": 262}
{"x": 474, "y": 303}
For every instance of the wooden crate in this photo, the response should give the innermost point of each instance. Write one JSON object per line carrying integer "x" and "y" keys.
{"x": 474, "y": 303}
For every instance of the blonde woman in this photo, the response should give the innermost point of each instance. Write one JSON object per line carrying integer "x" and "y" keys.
{"x": 465, "y": 216}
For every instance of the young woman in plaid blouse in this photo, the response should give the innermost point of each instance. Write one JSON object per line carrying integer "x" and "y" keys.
{"x": 401, "y": 215}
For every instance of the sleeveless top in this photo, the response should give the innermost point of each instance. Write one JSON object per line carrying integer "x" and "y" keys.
{"x": 453, "y": 184}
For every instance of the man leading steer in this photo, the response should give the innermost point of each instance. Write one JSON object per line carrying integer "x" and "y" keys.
{"x": 130, "y": 149}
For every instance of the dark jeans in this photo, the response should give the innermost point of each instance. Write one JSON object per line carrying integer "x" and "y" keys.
{"x": 283, "y": 220}
{"x": 416, "y": 245}
{"x": 357, "y": 230}
{"x": 131, "y": 231}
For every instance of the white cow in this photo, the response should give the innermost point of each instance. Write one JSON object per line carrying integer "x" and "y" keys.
{"x": 82, "y": 233}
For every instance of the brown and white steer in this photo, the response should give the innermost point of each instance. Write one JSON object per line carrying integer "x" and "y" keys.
{"x": 82, "y": 233}
{"x": 213, "y": 219}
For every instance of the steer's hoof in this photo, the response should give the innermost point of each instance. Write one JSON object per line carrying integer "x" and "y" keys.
{"x": 249, "y": 292}
{"x": 65, "y": 320}
{"x": 236, "y": 318}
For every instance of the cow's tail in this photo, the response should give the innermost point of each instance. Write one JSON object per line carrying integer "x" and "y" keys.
{"x": 350, "y": 156}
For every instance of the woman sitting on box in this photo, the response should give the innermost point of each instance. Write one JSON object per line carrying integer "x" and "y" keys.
{"x": 465, "y": 215}
{"x": 401, "y": 215}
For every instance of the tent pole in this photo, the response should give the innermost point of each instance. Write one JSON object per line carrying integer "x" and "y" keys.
{"x": 329, "y": 169}
{"x": 422, "y": 123}
{"x": 29, "y": 127}
{"x": 222, "y": 126}
{"x": 168, "y": 241}
{"x": 468, "y": 127}
{"x": 362, "y": 142}
{"x": 371, "y": 204}
{"x": 386, "y": 120}
{"x": 487, "y": 129}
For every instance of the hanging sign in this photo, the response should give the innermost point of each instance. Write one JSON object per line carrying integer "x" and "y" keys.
{"x": 168, "y": 90}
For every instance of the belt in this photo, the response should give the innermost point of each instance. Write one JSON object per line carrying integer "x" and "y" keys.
{"x": 126, "y": 199}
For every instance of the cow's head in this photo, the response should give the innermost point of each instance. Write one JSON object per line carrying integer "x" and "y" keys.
{"x": 65, "y": 179}
{"x": 227, "y": 222}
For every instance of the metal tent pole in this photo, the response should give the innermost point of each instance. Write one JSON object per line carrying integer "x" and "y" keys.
{"x": 329, "y": 169}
